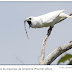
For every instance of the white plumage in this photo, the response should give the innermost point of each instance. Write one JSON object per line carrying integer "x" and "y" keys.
{"x": 46, "y": 20}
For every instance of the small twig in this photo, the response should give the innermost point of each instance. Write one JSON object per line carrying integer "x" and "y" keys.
{"x": 19, "y": 60}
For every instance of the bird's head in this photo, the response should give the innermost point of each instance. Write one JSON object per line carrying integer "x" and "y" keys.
{"x": 28, "y": 20}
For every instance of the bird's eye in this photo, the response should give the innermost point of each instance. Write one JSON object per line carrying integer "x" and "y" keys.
{"x": 30, "y": 18}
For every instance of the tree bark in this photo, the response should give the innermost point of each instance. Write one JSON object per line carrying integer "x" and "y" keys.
{"x": 43, "y": 45}
{"x": 57, "y": 52}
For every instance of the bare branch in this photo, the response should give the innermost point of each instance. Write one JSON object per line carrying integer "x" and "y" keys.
{"x": 19, "y": 60}
{"x": 57, "y": 52}
{"x": 43, "y": 49}
{"x": 43, "y": 45}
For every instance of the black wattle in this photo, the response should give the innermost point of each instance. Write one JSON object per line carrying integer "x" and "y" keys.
{"x": 29, "y": 22}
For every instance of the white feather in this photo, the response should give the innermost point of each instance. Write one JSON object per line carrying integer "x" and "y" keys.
{"x": 46, "y": 20}
{"x": 49, "y": 19}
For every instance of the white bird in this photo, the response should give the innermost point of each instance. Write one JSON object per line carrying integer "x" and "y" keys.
{"x": 46, "y": 20}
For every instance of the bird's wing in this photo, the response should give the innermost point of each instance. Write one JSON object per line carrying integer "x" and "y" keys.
{"x": 49, "y": 17}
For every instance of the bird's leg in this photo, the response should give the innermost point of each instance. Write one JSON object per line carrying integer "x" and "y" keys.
{"x": 49, "y": 31}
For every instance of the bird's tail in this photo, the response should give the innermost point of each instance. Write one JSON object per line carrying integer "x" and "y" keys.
{"x": 63, "y": 15}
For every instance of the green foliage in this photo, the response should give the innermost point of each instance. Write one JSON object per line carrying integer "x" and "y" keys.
{"x": 64, "y": 58}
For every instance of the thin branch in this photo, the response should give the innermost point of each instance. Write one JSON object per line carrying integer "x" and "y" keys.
{"x": 45, "y": 40}
{"x": 43, "y": 45}
{"x": 43, "y": 49}
{"x": 19, "y": 60}
{"x": 57, "y": 52}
